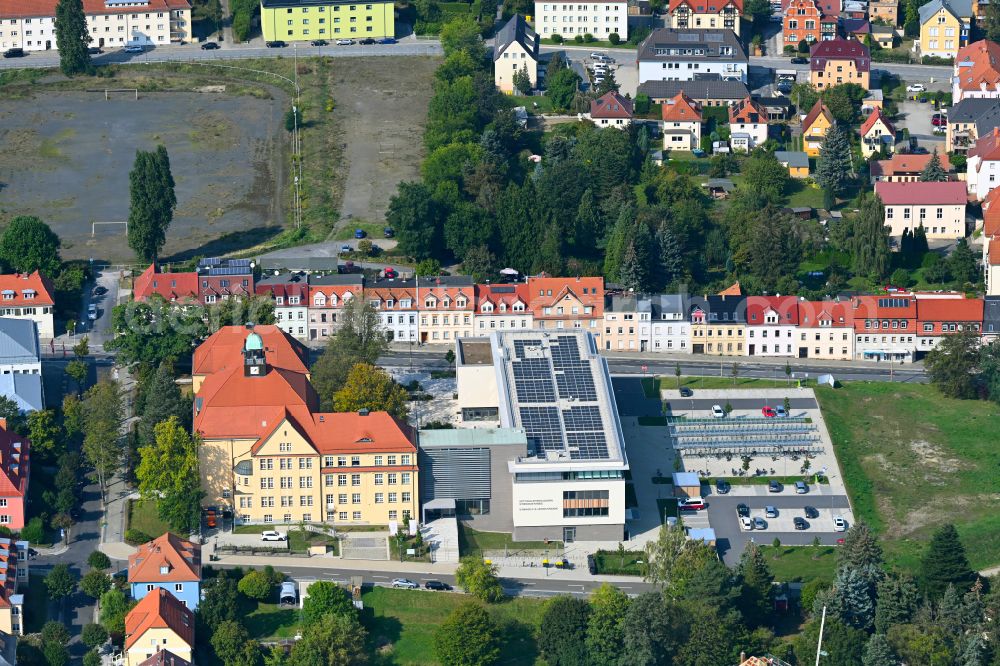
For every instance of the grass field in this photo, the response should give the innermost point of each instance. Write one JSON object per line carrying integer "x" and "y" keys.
{"x": 913, "y": 460}
{"x": 142, "y": 516}
{"x": 726, "y": 381}
{"x": 610, "y": 562}
{"x": 474, "y": 542}
{"x": 801, "y": 563}
{"x": 401, "y": 625}
{"x": 271, "y": 622}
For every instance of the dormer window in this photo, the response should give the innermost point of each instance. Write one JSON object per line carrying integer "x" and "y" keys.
{"x": 319, "y": 300}
{"x": 279, "y": 300}
{"x": 164, "y": 570}
{"x": 389, "y": 303}
{"x": 28, "y": 293}
{"x": 518, "y": 306}
{"x": 487, "y": 307}
{"x": 460, "y": 302}
{"x": 503, "y": 307}
{"x": 8, "y": 295}
{"x": 429, "y": 303}
{"x": 293, "y": 300}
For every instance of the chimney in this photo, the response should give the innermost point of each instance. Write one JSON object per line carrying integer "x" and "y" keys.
{"x": 363, "y": 412}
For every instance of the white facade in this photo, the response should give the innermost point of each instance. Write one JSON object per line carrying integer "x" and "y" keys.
{"x": 679, "y": 69}
{"x": 400, "y": 323}
{"x": 670, "y": 336}
{"x": 898, "y": 346}
{"x": 31, "y": 34}
{"x": 292, "y": 317}
{"x": 40, "y": 314}
{"x": 681, "y": 135}
{"x": 827, "y": 342}
{"x": 600, "y": 19}
{"x": 756, "y": 131}
{"x": 945, "y": 221}
{"x": 484, "y": 324}
{"x": 771, "y": 339}
{"x": 135, "y": 25}
{"x": 982, "y": 176}
{"x": 991, "y": 266}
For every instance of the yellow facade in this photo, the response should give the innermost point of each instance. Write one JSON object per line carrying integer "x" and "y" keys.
{"x": 154, "y": 640}
{"x": 720, "y": 339}
{"x": 838, "y": 72}
{"x": 513, "y": 58}
{"x": 813, "y": 136}
{"x": 288, "y": 20}
{"x": 941, "y": 34}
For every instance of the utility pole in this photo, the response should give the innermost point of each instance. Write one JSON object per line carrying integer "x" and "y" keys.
{"x": 819, "y": 643}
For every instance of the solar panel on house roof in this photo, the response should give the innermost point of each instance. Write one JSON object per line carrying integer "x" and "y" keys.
{"x": 587, "y": 445}
{"x": 542, "y": 425}
{"x": 533, "y": 380}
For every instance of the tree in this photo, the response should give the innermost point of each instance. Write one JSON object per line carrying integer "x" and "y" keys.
{"x": 114, "y": 607}
{"x": 151, "y": 187}
{"x": 952, "y": 365}
{"x": 325, "y": 598}
{"x": 94, "y": 635}
{"x": 256, "y": 585}
{"x": 467, "y": 637}
{"x": 55, "y": 653}
{"x": 370, "y": 387}
{"x": 293, "y": 118}
{"x": 606, "y": 625}
{"x": 933, "y": 172}
{"x": 757, "y": 583}
{"x": 358, "y": 340}
{"x": 878, "y": 652}
{"x": 462, "y": 34}
{"x": 45, "y": 434}
{"x": 662, "y": 554}
{"x": 479, "y": 579}
{"x": 98, "y": 560}
{"x": 989, "y": 368}
{"x": 897, "y": 598}
{"x": 73, "y": 38}
{"x": 861, "y": 549}
{"x": 168, "y": 474}
{"x": 857, "y": 605}
{"x": 233, "y": 645}
{"x": 843, "y": 644}
{"x": 29, "y": 245}
{"x": 609, "y": 84}
{"x": 522, "y": 81}
{"x": 869, "y": 243}
{"x": 161, "y": 400}
{"x": 60, "y": 582}
{"x": 561, "y": 85}
{"x": 563, "y": 631}
{"x": 95, "y": 583}
{"x": 655, "y": 629}
{"x": 833, "y": 171}
{"x": 911, "y": 19}
{"x": 844, "y": 101}
{"x": 221, "y": 603}
{"x": 414, "y": 216}
{"x": 335, "y": 640}
{"x": 153, "y": 331}
{"x": 78, "y": 371}
{"x": 962, "y": 263}
{"x": 92, "y": 658}
{"x": 944, "y": 562}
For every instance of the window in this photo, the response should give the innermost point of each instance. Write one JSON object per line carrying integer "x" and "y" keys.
{"x": 305, "y": 482}
{"x": 305, "y": 463}
{"x": 379, "y": 478}
{"x": 355, "y": 479}
{"x": 393, "y": 497}
{"x": 179, "y": 587}
{"x": 378, "y": 461}
{"x": 342, "y": 498}
{"x": 392, "y": 479}
{"x": 356, "y": 498}
{"x": 356, "y": 515}
{"x": 379, "y": 498}
{"x": 341, "y": 479}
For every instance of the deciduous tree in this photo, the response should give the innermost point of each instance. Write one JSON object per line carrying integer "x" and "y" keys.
{"x": 467, "y": 637}
{"x": 952, "y": 365}
{"x": 606, "y": 625}
{"x": 256, "y": 585}
{"x": 60, "y": 582}
{"x": 114, "y": 607}
{"x": 655, "y": 630}
{"x": 45, "y": 435}
{"x": 370, "y": 387}
{"x": 479, "y": 579}
{"x": 29, "y": 245}
{"x": 95, "y": 583}
{"x": 168, "y": 475}
{"x": 415, "y": 217}
{"x": 358, "y": 340}
{"x": 325, "y": 598}
{"x": 335, "y": 640}
{"x": 151, "y": 187}
{"x": 233, "y": 646}
{"x": 563, "y": 631}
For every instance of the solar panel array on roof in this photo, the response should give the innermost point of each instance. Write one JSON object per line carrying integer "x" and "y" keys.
{"x": 533, "y": 380}
{"x": 503, "y": 290}
{"x": 574, "y": 376}
{"x": 585, "y": 432}
{"x": 519, "y": 346}
{"x": 542, "y": 425}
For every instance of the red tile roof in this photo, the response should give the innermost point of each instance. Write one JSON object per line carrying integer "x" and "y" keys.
{"x": 735, "y": 289}
{"x": 993, "y": 252}
{"x": 884, "y": 306}
{"x": 159, "y": 610}
{"x": 837, "y": 50}
{"x": 838, "y": 313}
{"x": 948, "y": 193}
{"x": 707, "y": 6}
{"x": 26, "y": 289}
{"x": 181, "y": 558}
{"x": 509, "y": 294}
{"x": 681, "y": 108}
{"x": 223, "y": 349}
{"x": 949, "y": 309}
{"x": 819, "y": 108}
{"x": 873, "y": 118}
{"x": 548, "y": 292}
{"x": 15, "y": 462}
{"x": 987, "y": 147}
{"x": 786, "y": 307}
{"x": 747, "y": 111}
{"x": 991, "y": 213}
{"x": 349, "y": 432}
{"x": 611, "y": 105}
{"x": 903, "y": 164}
{"x": 978, "y": 65}
{"x": 42, "y": 8}
{"x": 165, "y": 658}
{"x": 171, "y": 286}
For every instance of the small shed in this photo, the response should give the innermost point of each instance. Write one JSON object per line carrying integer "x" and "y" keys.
{"x": 719, "y": 188}
{"x": 288, "y": 594}
{"x": 686, "y": 484}
{"x": 706, "y": 534}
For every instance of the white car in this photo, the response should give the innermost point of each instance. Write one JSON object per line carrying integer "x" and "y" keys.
{"x": 133, "y": 48}
{"x": 718, "y": 412}
{"x": 92, "y": 312}
{"x": 405, "y": 583}
{"x": 272, "y": 535}
{"x": 345, "y": 42}
{"x": 839, "y": 524}
{"x": 746, "y": 523}
{"x": 916, "y": 87}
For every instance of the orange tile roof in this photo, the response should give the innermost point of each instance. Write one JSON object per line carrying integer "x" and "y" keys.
{"x": 873, "y": 118}
{"x": 611, "y": 105}
{"x": 681, "y": 108}
{"x": 28, "y": 289}
{"x": 982, "y": 68}
{"x": 707, "y": 6}
{"x": 349, "y": 432}
{"x": 839, "y": 314}
{"x": 159, "y": 610}
{"x": 547, "y": 291}
{"x": 786, "y": 307}
{"x": 949, "y": 309}
{"x": 993, "y": 252}
{"x": 171, "y": 286}
{"x": 818, "y": 108}
{"x": 991, "y": 213}
{"x": 222, "y": 349}
{"x": 14, "y": 462}
{"x": 181, "y": 558}
{"x": 33, "y": 8}
{"x": 509, "y": 294}
{"x": 747, "y": 111}
{"x": 907, "y": 163}
{"x": 735, "y": 289}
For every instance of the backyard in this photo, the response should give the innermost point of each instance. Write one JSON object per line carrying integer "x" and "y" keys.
{"x": 142, "y": 516}
{"x": 801, "y": 563}
{"x": 474, "y": 542}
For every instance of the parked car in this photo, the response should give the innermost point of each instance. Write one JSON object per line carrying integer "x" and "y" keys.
{"x": 771, "y": 511}
{"x": 742, "y": 510}
{"x": 366, "y": 40}
{"x": 133, "y": 48}
{"x": 800, "y": 523}
{"x": 721, "y": 486}
{"x": 95, "y": 50}
{"x": 780, "y": 411}
{"x": 210, "y": 518}
{"x": 768, "y": 412}
{"x": 92, "y": 312}
{"x": 273, "y": 535}
{"x": 591, "y": 565}
{"x": 346, "y": 249}
{"x": 390, "y": 274}
{"x": 405, "y": 583}
{"x": 388, "y": 232}
{"x": 773, "y": 486}
{"x": 277, "y": 44}
{"x": 691, "y": 504}
{"x": 209, "y": 46}
{"x": 810, "y": 512}
{"x": 718, "y": 412}
{"x": 359, "y": 233}
{"x": 14, "y": 53}
{"x": 839, "y": 524}
{"x": 746, "y": 524}
{"x": 386, "y": 40}
{"x": 801, "y": 488}
{"x": 686, "y": 392}
{"x": 319, "y": 42}
{"x": 938, "y": 120}
{"x": 800, "y": 60}
{"x": 916, "y": 88}
{"x": 345, "y": 42}
{"x": 100, "y": 290}
{"x": 759, "y": 524}
{"x": 599, "y": 57}
{"x": 437, "y": 585}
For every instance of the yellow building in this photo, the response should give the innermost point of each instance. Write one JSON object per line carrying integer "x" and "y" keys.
{"x": 515, "y": 48}
{"x": 816, "y": 124}
{"x": 718, "y": 325}
{"x": 447, "y": 305}
{"x": 158, "y": 623}
{"x": 271, "y": 455}
{"x": 944, "y": 28}
{"x": 838, "y": 61}
{"x": 306, "y": 20}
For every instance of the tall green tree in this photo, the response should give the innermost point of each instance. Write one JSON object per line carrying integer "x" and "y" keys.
{"x": 325, "y": 597}
{"x": 73, "y": 38}
{"x": 897, "y": 599}
{"x": 417, "y": 222}
{"x": 45, "y": 435}
{"x": 561, "y": 86}
{"x": 856, "y": 594}
{"x": 991, "y": 25}
{"x": 833, "y": 170}
{"x": 151, "y": 188}
{"x": 161, "y": 400}
{"x": 29, "y": 245}
{"x": 952, "y": 365}
{"x": 655, "y": 630}
{"x": 869, "y": 244}
{"x": 103, "y": 443}
{"x": 155, "y": 330}
{"x": 60, "y": 582}
{"x": 335, "y": 640}
{"x": 878, "y": 652}
{"x": 563, "y": 631}
{"x": 757, "y": 582}
{"x": 358, "y": 340}
{"x": 522, "y": 81}
{"x": 114, "y": 607}
{"x": 479, "y": 579}
{"x": 606, "y": 625}
{"x": 860, "y": 549}
{"x": 467, "y": 637}
{"x": 963, "y": 263}
{"x": 168, "y": 475}
{"x": 933, "y": 172}
{"x": 462, "y": 34}
{"x": 989, "y": 369}
{"x": 233, "y": 646}
{"x": 945, "y": 563}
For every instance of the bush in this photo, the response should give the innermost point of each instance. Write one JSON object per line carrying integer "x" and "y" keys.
{"x": 256, "y": 585}
{"x": 557, "y": 39}
{"x": 34, "y": 531}
{"x": 614, "y": 38}
{"x": 98, "y": 560}
{"x": 900, "y": 278}
{"x": 803, "y": 46}
{"x": 134, "y": 537}
{"x": 589, "y": 38}
{"x": 94, "y": 635}
{"x": 92, "y": 659}
{"x": 578, "y": 39}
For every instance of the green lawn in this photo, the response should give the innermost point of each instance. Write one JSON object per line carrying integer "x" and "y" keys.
{"x": 271, "y": 622}
{"x": 801, "y": 563}
{"x": 474, "y": 542}
{"x": 401, "y": 625}
{"x": 36, "y": 604}
{"x": 726, "y": 381}
{"x": 374, "y": 231}
{"x": 610, "y": 562}
{"x": 913, "y": 460}
{"x": 801, "y": 193}
{"x": 142, "y": 516}
{"x": 528, "y": 102}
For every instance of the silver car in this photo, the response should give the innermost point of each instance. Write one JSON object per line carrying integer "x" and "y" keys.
{"x": 405, "y": 583}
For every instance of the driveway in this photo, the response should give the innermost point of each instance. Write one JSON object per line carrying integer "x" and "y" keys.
{"x": 916, "y": 117}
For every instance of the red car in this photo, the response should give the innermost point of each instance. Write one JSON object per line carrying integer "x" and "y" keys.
{"x": 391, "y": 274}
{"x": 939, "y": 120}
{"x": 768, "y": 412}
{"x": 691, "y": 504}
{"x": 210, "y": 518}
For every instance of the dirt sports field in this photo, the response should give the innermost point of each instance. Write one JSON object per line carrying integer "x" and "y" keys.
{"x": 65, "y": 157}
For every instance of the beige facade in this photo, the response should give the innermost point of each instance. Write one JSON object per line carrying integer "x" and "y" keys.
{"x": 513, "y": 58}
{"x": 157, "y": 639}
{"x": 826, "y": 343}
{"x": 720, "y": 339}
{"x": 838, "y": 72}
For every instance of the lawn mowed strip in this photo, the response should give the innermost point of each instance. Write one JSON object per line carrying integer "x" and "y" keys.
{"x": 801, "y": 564}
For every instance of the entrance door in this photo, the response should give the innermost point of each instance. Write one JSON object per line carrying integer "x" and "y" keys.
{"x": 569, "y": 534}
{"x": 751, "y": 348}
{"x": 100, "y": 42}
{"x": 803, "y": 352}
{"x": 48, "y": 44}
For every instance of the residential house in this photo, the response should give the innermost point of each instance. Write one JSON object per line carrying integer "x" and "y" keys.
{"x": 886, "y": 10}
{"x": 600, "y": 18}
{"x": 970, "y": 119}
{"x": 747, "y": 125}
{"x": 611, "y": 110}
{"x": 397, "y": 305}
{"x": 874, "y": 99}
{"x": 885, "y": 327}
{"x": 681, "y": 123}
{"x": 853, "y": 11}
{"x": 446, "y": 305}
{"x": 669, "y": 54}
{"x": 328, "y": 295}
{"x": 939, "y": 316}
{"x": 771, "y": 325}
{"x": 562, "y": 303}
{"x": 991, "y": 318}
{"x": 707, "y": 92}
{"x": 501, "y": 307}
{"x": 306, "y": 20}
{"x": 938, "y": 207}
{"x": 778, "y": 108}
{"x": 809, "y": 20}
{"x": 977, "y": 72}
{"x": 216, "y": 353}
{"x": 944, "y": 27}
{"x": 884, "y": 35}
{"x": 31, "y": 25}
{"x": 626, "y": 322}
{"x": 515, "y": 47}
{"x": 837, "y": 61}
{"x": 172, "y": 287}
{"x": 795, "y": 161}
{"x": 14, "y": 567}
{"x": 991, "y": 242}
{"x": 815, "y": 125}
{"x": 290, "y": 293}
{"x": 29, "y": 296}
{"x": 687, "y": 14}
{"x": 718, "y": 324}
{"x": 21, "y": 364}
{"x": 222, "y": 279}
{"x": 165, "y": 658}
{"x": 826, "y": 330}
{"x": 158, "y": 622}
{"x": 271, "y": 456}
{"x": 670, "y": 329}
{"x": 15, "y": 468}
{"x": 170, "y": 563}
{"x": 878, "y": 136}
{"x": 856, "y": 28}
{"x": 905, "y": 167}
{"x": 983, "y": 164}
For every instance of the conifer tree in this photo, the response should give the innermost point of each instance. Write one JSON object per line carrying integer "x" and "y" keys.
{"x": 933, "y": 172}
{"x": 833, "y": 172}
{"x": 758, "y": 583}
{"x": 153, "y": 201}
{"x": 945, "y": 562}
{"x": 73, "y": 38}
{"x": 878, "y": 652}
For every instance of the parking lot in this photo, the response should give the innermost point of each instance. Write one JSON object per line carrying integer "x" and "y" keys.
{"x": 626, "y": 75}
{"x": 916, "y": 117}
